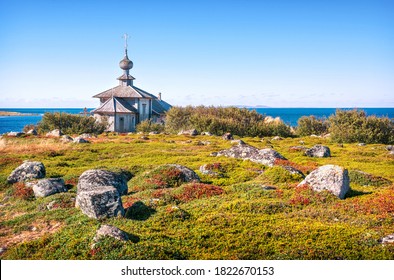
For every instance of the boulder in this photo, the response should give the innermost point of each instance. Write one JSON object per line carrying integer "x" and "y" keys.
{"x": 15, "y": 134}
{"x": 318, "y": 151}
{"x": 66, "y": 139}
{"x": 32, "y": 132}
{"x": 54, "y": 133}
{"x": 111, "y": 231}
{"x": 228, "y": 136}
{"x": 28, "y": 170}
{"x": 247, "y": 152}
{"x": 293, "y": 171}
{"x": 390, "y": 148}
{"x": 276, "y": 138}
{"x": 206, "y": 133}
{"x": 153, "y": 133}
{"x": 96, "y": 178}
{"x": 191, "y": 132}
{"x": 204, "y": 169}
{"x": 46, "y": 187}
{"x": 87, "y": 135}
{"x": 332, "y": 178}
{"x": 79, "y": 139}
{"x": 189, "y": 175}
{"x": 144, "y": 137}
{"x": 100, "y": 202}
{"x": 361, "y": 144}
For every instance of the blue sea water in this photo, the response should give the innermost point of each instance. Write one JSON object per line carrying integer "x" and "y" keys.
{"x": 288, "y": 115}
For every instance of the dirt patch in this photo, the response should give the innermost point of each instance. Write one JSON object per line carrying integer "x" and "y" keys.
{"x": 35, "y": 231}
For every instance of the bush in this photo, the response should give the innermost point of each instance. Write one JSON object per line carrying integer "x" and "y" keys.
{"x": 28, "y": 127}
{"x": 71, "y": 124}
{"x": 311, "y": 125}
{"x": 149, "y": 126}
{"x": 355, "y": 126}
{"x": 219, "y": 120}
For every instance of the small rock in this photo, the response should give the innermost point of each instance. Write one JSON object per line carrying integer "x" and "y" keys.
{"x": 390, "y": 148}
{"x": 32, "y": 132}
{"x": 50, "y": 204}
{"x": 239, "y": 142}
{"x": 203, "y": 143}
{"x": 328, "y": 135}
{"x": 205, "y": 170}
{"x": 144, "y": 137}
{"x": 189, "y": 175}
{"x": 79, "y": 139}
{"x": 191, "y": 132}
{"x": 54, "y": 133}
{"x": 27, "y": 171}
{"x": 268, "y": 188}
{"x": 276, "y": 138}
{"x": 153, "y": 133}
{"x": 361, "y": 144}
{"x": 46, "y": 187}
{"x": 99, "y": 203}
{"x": 2, "y": 250}
{"x": 315, "y": 136}
{"x": 332, "y": 178}
{"x": 87, "y": 135}
{"x": 387, "y": 239}
{"x": 66, "y": 139}
{"x": 227, "y": 136}
{"x": 206, "y": 133}
{"x": 33, "y": 229}
{"x": 318, "y": 151}
{"x": 302, "y": 142}
{"x": 108, "y": 230}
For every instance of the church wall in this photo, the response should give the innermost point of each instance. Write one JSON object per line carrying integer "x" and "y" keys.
{"x": 110, "y": 119}
{"x": 144, "y": 109}
{"x": 125, "y": 122}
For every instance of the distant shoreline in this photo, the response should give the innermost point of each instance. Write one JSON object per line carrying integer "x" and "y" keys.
{"x": 10, "y": 114}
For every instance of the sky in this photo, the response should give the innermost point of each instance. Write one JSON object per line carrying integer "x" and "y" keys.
{"x": 276, "y": 53}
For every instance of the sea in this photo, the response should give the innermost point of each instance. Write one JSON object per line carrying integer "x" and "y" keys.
{"x": 289, "y": 115}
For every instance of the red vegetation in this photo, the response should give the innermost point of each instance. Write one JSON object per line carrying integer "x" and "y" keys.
{"x": 23, "y": 192}
{"x": 302, "y": 196}
{"x": 198, "y": 190}
{"x": 129, "y": 201}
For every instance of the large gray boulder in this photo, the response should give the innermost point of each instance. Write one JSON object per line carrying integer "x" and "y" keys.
{"x": 46, "y": 187}
{"x": 29, "y": 170}
{"x": 332, "y": 178}
{"x": 111, "y": 231}
{"x": 66, "y": 139}
{"x": 318, "y": 151}
{"x": 54, "y": 133}
{"x": 247, "y": 152}
{"x": 96, "y": 178}
{"x": 100, "y": 203}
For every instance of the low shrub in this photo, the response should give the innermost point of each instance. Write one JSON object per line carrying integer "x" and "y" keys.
{"x": 356, "y": 126}
{"x": 23, "y": 192}
{"x": 365, "y": 179}
{"x": 193, "y": 191}
{"x": 311, "y": 125}
{"x": 71, "y": 124}
{"x": 278, "y": 174}
{"x": 149, "y": 126}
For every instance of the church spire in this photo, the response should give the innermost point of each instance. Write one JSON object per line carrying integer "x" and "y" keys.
{"x": 126, "y": 64}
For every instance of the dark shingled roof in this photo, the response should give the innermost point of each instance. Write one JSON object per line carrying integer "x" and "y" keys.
{"x": 124, "y": 92}
{"x": 115, "y": 105}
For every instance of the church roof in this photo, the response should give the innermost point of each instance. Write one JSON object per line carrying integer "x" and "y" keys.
{"x": 160, "y": 106}
{"x": 115, "y": 105}
{"x": 126, "y": 77}
{"x": 125, "y": 92}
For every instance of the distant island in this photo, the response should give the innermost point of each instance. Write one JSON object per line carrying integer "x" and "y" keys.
{"x": 9, "y": 114}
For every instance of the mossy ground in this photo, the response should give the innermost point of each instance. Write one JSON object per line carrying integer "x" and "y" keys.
{"x": 230, "y": 217}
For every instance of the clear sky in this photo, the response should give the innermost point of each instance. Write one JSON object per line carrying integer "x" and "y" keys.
{"x": 277, "y": 53}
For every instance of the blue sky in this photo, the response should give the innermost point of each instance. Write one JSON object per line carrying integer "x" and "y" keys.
{"x": 238, "y": 52}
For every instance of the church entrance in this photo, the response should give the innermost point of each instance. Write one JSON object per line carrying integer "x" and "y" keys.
{"x": 121, "y": 124}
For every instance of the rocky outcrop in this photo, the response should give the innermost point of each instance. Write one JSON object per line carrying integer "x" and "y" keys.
{"x": 247, "y": 152}
{"x": 100, "y": 203}
{"x": 66, "y": 139}
{"x": 111, "y": 231}
{"x": 318, "y": 151}
{"x": 46, "y": 187}
{"x": 96, "y": 178}
{"x": 227, "y": 136}
{"x": 188, "y": 174}
{"x": 29, "y": 170}
{"x": 54, "y": 133}
{"x": 32, "y": 132}
{"x": 79, "y": 140}
{"x": 332, "y": 178}
{"x": 191, "y": 132}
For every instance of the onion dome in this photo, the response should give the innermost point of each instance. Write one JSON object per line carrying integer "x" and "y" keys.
{"x": 126, "y": 63}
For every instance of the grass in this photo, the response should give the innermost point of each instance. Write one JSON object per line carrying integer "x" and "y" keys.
{"x": 231, "y": 216}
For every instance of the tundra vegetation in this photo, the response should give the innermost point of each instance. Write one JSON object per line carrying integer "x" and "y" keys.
{"x": 241, "y": 210}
